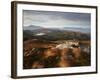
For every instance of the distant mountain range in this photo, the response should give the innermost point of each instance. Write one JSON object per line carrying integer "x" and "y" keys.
{"x": 31, "y": 27}
{"x": 83, "y": 30}
{"x": 37, "y": 32}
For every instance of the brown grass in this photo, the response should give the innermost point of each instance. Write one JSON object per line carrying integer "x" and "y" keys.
{"x": 45, "y": 55}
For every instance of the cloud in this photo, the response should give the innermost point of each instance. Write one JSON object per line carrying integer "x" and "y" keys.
{"x": 56, "y": 19}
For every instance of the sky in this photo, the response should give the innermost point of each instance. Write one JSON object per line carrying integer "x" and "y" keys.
{"x": 53, "y": 19}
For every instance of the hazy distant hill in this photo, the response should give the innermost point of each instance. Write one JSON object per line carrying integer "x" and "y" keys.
{"x": 31, "y": 27}
{"x": 84, "y": 30}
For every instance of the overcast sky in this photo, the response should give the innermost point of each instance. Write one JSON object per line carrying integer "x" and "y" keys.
{"x": 48, "y": 19}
